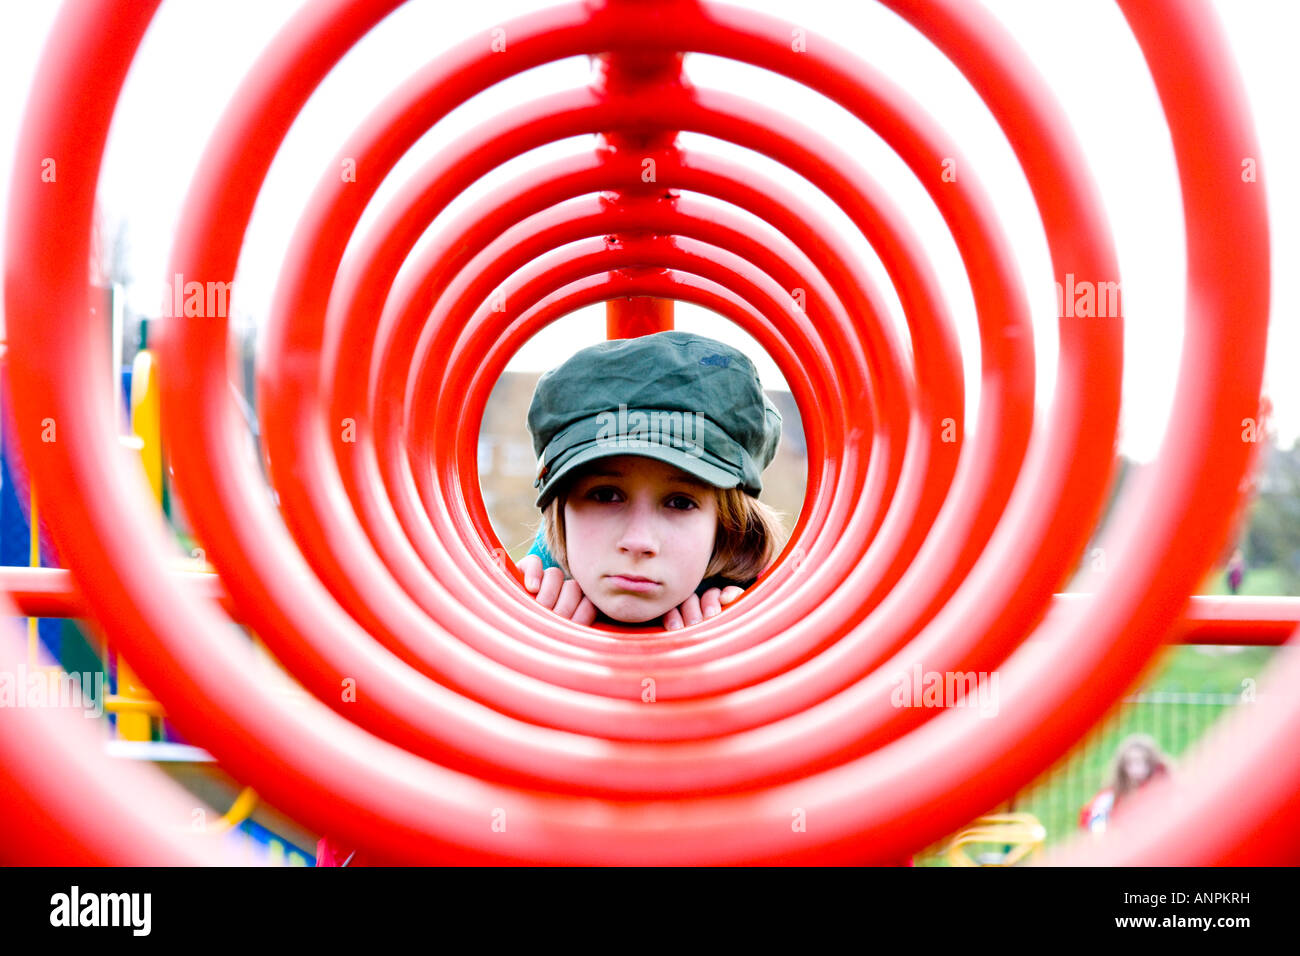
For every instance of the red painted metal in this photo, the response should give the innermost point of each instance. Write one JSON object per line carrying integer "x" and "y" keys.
{"x": 377, "y": 569}
{"x": 630, "y": 316}
{"x": 630, "y": 74}
{"x": 1241, "y": 621}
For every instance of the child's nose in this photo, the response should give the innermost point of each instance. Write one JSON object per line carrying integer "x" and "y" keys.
{"x": 639, "y": 536}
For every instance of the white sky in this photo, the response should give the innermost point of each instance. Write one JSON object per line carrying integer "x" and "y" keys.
{"x": 196, "y": 53}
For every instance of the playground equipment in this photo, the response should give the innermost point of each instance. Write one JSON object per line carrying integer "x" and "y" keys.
{"x": 456, "y": 721}
{"x": 1020, "y": 834}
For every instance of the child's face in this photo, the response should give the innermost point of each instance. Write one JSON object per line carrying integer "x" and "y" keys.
{"x": 1136, "y": 765}
{"x": 631, "y": 515}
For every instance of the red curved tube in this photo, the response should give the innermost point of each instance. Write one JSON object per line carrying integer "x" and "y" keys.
{"x": 912, "y": 786}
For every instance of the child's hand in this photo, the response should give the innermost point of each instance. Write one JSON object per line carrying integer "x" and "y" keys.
{"x": 563, "y": 597}
{"x": 695, "y": 609}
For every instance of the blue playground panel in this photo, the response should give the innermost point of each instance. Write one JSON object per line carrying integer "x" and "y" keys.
{"x": 65, "y": 642}
{"x": 270, "y": 849}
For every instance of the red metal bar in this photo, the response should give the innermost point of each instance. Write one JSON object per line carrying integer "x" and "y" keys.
{"x": 636, "y": 74}
{"x": 637, "y": 315}
{"x": 1262, "y": 621}
{"x": 865, "y": 802}
{"x": 52, "y": 592}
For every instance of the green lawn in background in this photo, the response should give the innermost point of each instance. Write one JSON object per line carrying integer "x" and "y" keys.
{"x": 1058, "y": 796}
{"x": 1257, "y": 582}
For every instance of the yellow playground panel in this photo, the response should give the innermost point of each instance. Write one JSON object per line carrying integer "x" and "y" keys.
{"x": 1020, "y": 836}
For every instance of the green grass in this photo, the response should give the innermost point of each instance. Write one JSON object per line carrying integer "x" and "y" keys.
{"x": 1257, "y": 582}
{"x": 1058, "y": 795}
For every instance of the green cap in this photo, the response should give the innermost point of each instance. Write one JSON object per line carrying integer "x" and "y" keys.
{"x": 681, "y": 398}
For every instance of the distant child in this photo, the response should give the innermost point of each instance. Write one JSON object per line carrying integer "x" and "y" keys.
{"x": 651, "y": 451}
{"x": 1236, "y": 571}
{"x": 1138, "y": 761}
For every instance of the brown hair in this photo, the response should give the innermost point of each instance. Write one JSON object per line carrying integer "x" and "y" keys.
{"x": 1159, "y": 762}
{"x": 749, "y": 534}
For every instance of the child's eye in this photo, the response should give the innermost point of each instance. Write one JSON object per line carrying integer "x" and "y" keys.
{"x": 599, "y": 494}
{"x": 683, "y": 503}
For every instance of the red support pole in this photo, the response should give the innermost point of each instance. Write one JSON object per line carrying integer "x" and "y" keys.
{"x": 642, "y": 74}
{"x": 638, "y": 315}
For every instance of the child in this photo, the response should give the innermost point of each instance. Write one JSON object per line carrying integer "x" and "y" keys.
{"x": 1236, "y": 571}
{"x": 651, "y": 451}
{"x": 1138, "y": 761}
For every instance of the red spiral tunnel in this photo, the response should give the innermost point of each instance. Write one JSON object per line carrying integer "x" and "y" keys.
{"x": 485, "y": 729}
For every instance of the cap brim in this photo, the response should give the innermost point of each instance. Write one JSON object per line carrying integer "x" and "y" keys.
{"x": 687, "y": 462}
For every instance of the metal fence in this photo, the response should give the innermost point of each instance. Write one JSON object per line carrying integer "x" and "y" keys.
{"x": 1175, "y": 719}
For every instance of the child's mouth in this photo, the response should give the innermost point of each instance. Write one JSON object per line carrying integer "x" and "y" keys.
{"x": 638, "y": 584}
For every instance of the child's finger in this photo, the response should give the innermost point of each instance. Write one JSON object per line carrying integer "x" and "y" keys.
{"x": 586, "y": 612}
{"x": 549, "y": 593}
{"x": 673, "y": 620}
{"x": 530, "y": 565}
{"x": 570, "y": 597}
{"x": 691, "y": 613}
{"x": 730, "y": 593}
{"x": 709, "y": 603}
